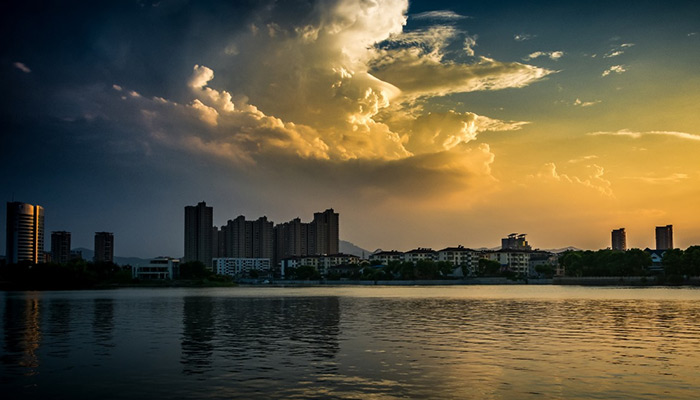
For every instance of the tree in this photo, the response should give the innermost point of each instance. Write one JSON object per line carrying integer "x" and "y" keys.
{"x": 307, "y": 272}
{"x": 691, "y": 260}
{"x": 673, "y": 262}
{"x": 194, "y": 270}
{"x": 488, "y": 268}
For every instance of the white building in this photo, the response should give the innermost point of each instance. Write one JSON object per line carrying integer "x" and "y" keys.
{"x": 385, "y": 257}
{"x": 321, "y": 263}
{"x": 157, "y": 269}
{"x": 419, "y": 254}
{"x": 238, "y": 267}
{"x": 517, "y": 261}
{"x": 466, "y": 261}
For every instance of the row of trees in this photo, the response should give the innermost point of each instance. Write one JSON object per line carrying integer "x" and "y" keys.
{"x": 82, "y": 274}
{"x": 76, "y": 274}
{"x": 682, "y": 263}
{"x": 634, "y": 262}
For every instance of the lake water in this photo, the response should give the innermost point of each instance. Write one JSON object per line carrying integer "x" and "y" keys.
{"x": 457, "y": 342}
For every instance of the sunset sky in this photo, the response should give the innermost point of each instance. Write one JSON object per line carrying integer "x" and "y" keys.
{"x": 424, "y": 123}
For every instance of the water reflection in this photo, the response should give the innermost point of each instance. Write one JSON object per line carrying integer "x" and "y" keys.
{"x": 197, "y": 334}
{"x": 59, "y": 327}
{"x": 21, "y": 325}
{"x": 240, "y": 344}
{"x": 103, "y": 326}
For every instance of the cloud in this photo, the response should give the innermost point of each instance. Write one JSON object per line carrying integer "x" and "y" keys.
{"x": 580, "y": 103}
{"x": 20, "y": 66}
{"x": 637, "y": 135}
{"x": 593, "y": 180}
{"x": 659, "y": 180}
{"x": 618, "y": 69}
{"x": 469, "y": 44}
{"x": 583, "y": 158}
{"x": 523, "y": 37}
{"x": 439, "y": 15}
{"x": 618, "y": 50}
{"x": 333, "y": 91}
{"x": 554, "y": 55}
{"x": 416, "y": 63}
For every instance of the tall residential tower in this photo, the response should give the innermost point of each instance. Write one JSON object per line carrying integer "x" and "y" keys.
{"x": 199, "y": 233}
{"x": 25, "y": 232}
{"x": 619, "y": 239}
{"x": 104, "y": 247}
{"x": 60, "y": 247}
{"x": 664, "y": 237}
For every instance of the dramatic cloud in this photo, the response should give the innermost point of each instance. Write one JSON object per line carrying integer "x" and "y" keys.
{"x": 618, "y": 69}
{"x": 20, "y": 66}
{"x": 415, "y": 62}
{"x": 637, "y": 135}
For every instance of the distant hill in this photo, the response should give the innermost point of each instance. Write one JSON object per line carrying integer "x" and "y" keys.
{"x": 569, "y": 248}
{"x": 350, "y": 248}
{"x": 88, "y": 255}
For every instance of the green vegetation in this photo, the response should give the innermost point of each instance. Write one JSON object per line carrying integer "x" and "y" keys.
{"x": 81, "y": 274}
{"x": 679, "y": 264}
{"x": 634, "y": 262}
{"x": 77, "y": 274}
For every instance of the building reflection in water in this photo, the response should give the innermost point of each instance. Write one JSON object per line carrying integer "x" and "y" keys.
{"x": 197, "y": 335}
{"x": 103, "y": 326}
{"x": 22, "y": 320}
{"x": 251, "y": 338}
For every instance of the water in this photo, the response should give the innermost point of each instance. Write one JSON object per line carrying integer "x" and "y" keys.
{"x": 470, "y": 342}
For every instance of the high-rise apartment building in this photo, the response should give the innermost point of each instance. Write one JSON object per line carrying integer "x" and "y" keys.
{"x": 25, "y": 233}
{"x": 325, "y": 233}
{"x": 298, "y": 239}
{"x": 664, "y": 237}
{"x": 199, "y": 233}
{"x": 60, "y": 247}
{"x": 619, "y": 239}
{"x": 104, "y": 247}
{"x": 248, "y": 239}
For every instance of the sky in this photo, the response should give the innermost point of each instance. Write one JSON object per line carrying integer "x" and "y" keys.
{"x": 422, "y": 123}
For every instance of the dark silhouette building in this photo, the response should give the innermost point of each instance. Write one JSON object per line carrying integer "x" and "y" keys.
{"x": 515, "y": 242}
{"x": 104, "y": 247}
{"x": 298, "y": 239}
{"x": 199, "y": 233}
{"x": 664, "y": 237}
{"x": 60, "y": 247}
{"x": 25, "y": 233}
{"x": 619, "y": 239}
{"x": 248, "y": 239}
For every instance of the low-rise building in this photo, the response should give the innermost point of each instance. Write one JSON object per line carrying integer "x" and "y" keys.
{"x": 517, "y": 261}
{"x": 160, "y": 268}
{"x": 466, "y": 261}
{"x": 385, "y": 257}
{"x": 322, "y": 263}
{"x": 419, "y": 254}
{"x": 241, "y": 267}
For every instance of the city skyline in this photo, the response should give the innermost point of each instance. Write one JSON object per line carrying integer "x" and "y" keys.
{"x": 426, "y": 124}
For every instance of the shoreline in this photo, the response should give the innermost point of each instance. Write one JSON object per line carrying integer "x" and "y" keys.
{"x": 560, "y": 281}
